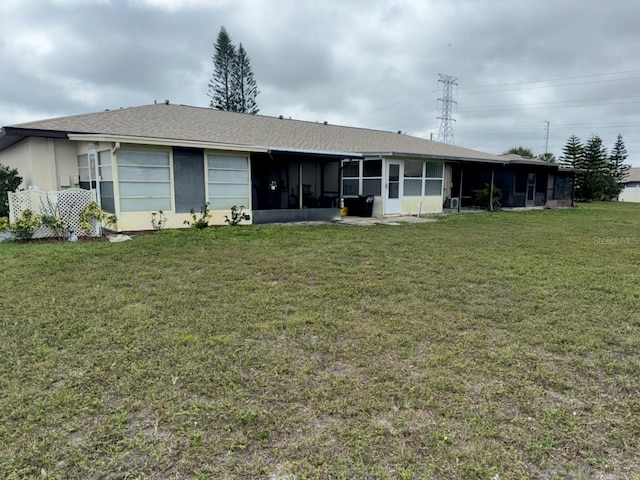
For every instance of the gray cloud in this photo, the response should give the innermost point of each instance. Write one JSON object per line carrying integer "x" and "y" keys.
{"x": 362, "y": 63}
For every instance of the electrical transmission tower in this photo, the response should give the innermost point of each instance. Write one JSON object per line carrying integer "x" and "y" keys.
{"x": 445, "y": 133}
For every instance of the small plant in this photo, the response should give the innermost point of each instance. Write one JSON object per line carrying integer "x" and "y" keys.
{"x": 236, "y": 216}
{"x": 25, "y": 226}
{"x": 55, "y": 223}
{"x": 93, "y": 213}
{"x": 4, "y": 224}
{"x": 483, "y": 197}
{"x": 158, "y": 220}
{"x": 203, "y": 221}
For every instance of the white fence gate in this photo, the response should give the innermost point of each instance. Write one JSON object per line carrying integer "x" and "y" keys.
{"x": 66, "y": 204}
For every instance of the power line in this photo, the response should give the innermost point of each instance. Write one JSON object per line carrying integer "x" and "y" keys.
{"x": 554, "y": 80}
{"x": 552, "y": 86}
{"x": 604, "y": 99}
{"x": 465, "y": 90}
{"x": 529, "y": 106}
{"x": 390, "y": 105}
{"x": 555, "y": 126}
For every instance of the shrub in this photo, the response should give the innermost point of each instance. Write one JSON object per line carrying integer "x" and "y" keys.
{"x": 482, "y": 196}
{"x": 236, "y": 216}
{"x": 25, "y": 226}
{"x": 158, "y": 220}
{"x": 9, "y": 182}
{"x": 93, "y": 213}
{"x": 201, "y": 222}
{"x": 55, "y": 223}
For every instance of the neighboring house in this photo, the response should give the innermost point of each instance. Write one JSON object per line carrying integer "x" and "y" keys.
{"x": 631, "y": 190}
{"x": 176, "y": 158}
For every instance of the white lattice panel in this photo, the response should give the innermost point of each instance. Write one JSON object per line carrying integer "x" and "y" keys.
{"x": 67, "y": 204}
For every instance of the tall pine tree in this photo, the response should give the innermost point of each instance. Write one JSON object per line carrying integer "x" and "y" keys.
{"x": 221, "y": 89}
{"x": 244, "y": 85}
{"x": 617, "y": 168}
{"x": 572, "y": 152}
{"x": 232, "y": 86}
{"x": 594, "y": 182}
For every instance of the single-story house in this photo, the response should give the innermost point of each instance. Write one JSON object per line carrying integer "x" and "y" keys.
{"x": 176, "y": 158}
{"x": 631, "y": 189}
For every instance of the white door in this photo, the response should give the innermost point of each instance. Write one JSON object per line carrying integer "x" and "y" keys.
{"x": 393, "y": 199}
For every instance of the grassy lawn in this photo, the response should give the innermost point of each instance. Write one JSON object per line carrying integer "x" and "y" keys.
{"x": 496, "y": 345}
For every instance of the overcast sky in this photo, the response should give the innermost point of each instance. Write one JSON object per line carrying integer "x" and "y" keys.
{"x": 374, "y": 64}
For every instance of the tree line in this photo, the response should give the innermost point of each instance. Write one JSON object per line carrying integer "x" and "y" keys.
{"x": 232, "y": 86}
{"x": 599, "y": 175}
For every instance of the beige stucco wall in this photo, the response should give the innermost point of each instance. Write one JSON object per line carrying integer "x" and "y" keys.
{"x": 42, "y": 161}
{"x": 18, "y": 156}
{"x": 136, "y": 221}
{"x": 417, "y": 205}
{"x": 66, "y": 160}
{"x": 631, "y": 193}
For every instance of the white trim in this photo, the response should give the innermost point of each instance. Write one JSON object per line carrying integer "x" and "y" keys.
{"x": 165, "y": 142}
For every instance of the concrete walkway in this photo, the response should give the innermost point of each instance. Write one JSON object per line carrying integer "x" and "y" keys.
{"x": 364, "y": 221}
{"x": 393, "y": 220}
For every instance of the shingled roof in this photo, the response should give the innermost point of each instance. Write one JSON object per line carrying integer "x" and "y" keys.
{"x": 633, "y": 176}
{"x": 196, "y": 124}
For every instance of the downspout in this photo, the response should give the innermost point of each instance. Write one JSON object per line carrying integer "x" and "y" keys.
{"x": 116, "y": 184}
{"x": 460, "y": 189}
{"x": 340, "y": 189}
{"x": 491, "y": 190}
{"x": 300, "y": 189}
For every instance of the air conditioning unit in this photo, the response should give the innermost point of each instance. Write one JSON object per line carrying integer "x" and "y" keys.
{"x": 452, "y": 203}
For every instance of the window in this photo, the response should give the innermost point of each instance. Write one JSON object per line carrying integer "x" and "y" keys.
{"x": 84, "y": 171}
{"x": 351, "y": 178}
{"x": 105, "y": 175}
{"x": 228, "y": 181}
{"x": 432, "y": 188}
{"x": 417, "y": 171}
{"x": 413, "y": 178}
{"x": 351, "y": 168}
{"x": 372, "y": 168}
{"x": 144, "y": 179}
{"x": 361, "y": 177}
{"x": 433, "y": 179}
{"x": 372, "y": 177}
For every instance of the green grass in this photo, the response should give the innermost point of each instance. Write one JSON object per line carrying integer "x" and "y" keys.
{"x": 497, "y": 345}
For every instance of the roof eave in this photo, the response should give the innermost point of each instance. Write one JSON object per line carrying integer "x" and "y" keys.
{"x": 533, "y": 162}
{"x": 166, "y": 142}
{"x": 9, "y": 136}
{"x": 432, "y": 156}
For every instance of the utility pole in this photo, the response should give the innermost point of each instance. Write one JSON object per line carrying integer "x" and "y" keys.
{"x": 546, "y": 143}
{"x": 445, "y": 133}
